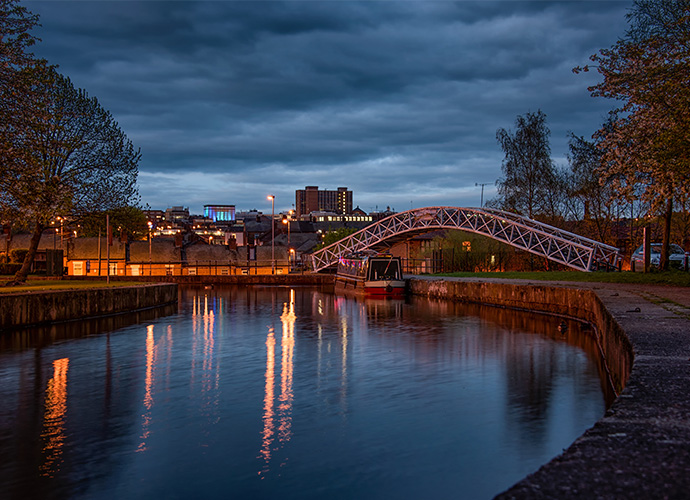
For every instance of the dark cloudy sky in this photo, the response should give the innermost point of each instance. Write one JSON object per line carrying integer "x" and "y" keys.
{"x": 400, "y": 101}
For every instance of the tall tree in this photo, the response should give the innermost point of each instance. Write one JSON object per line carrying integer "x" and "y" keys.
{"x": 530, "y": 182}
{"x": 591, "y": 201}
{"x": 75, "y": 159}
{"x": 16, "y": 23}
{"x": 646, "y": 147}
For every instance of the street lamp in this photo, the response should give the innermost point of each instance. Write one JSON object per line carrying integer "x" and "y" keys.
{"x": 60, "y": 219}
{"x": 482, "y": 184}
{"x": 150, "y": 224}
{"x": 273, "y": 234}
{"x": 286, "y": 220}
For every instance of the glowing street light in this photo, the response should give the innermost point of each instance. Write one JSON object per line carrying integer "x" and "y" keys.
{"x": 286, "y": 221}
{"x": 61, "y": 220}
{"x": 273, "y": 234}
{"x": 150, "y": 226}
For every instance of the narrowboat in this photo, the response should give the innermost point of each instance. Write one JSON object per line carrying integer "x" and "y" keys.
{"x": 371, "y": 274}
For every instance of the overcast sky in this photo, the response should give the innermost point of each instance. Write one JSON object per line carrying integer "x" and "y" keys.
{"x": 399, "y": 101}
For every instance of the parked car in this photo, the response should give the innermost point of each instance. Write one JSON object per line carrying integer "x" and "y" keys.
{"x": 675, "y": 259}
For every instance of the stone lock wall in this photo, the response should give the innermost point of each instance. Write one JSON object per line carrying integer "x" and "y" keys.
{"x": 42, "y": 307}
{"x": 616, "y": 352}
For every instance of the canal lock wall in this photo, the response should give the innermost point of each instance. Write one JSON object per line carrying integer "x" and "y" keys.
{"x": 640, "y": 448}
{"x": 615, "y": 349}
{"x": 45, "y": 307}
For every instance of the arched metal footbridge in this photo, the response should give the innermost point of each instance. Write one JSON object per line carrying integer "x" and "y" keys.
{"x": 540, "y": 239}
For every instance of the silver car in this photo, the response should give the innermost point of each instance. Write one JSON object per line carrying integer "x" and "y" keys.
{"x": 675, "y": 259}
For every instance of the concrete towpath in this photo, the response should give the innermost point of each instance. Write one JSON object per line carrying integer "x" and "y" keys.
{"x": 641, "y": 447}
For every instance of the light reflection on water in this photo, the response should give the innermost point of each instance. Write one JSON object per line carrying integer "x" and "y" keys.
{"x": 254, "y": 392}
{"x": 53, "y": 435}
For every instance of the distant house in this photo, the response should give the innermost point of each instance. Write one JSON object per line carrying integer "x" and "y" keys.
{"x": 168, "y": 257}
{"x": 50, "y": 240}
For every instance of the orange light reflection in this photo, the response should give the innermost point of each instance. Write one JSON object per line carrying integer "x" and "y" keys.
{"x": 285, "y": 399}
{"x": 53, "y": 434}
{"x": 267, "y": 433}
{"x": 287, "y": 347}
{"x": 148, "y": 396}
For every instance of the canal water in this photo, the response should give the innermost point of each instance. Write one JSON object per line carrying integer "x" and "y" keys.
{"x": 292, "y": 393}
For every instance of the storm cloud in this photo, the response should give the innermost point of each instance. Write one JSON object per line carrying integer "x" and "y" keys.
{"x": 398, "y": 101}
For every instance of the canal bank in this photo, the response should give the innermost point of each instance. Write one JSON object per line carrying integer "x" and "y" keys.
{"x": 31, "y": 308}
{"x": 641, "y": 447}
{"x": 252, "y": 279}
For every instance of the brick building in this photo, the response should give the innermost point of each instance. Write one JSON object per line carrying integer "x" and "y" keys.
{"x": 311, "y": 199}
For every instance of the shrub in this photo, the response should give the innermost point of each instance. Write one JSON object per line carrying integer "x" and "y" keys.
{"x": 9, "y": 269}
{"x": 18, "y": 254}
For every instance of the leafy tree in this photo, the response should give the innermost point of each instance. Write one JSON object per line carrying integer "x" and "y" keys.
{"x": 530, "y": 184}
{"x": 332, "y": 236}
{"x": 74, "y": 158}
{"x": 681, "y": 223}
{"x": 15, "y": 38}
{"x": 131, "y": 220}
{"x": 591, "y": 201}
{"x": 15, "y": 64}
{"x": 469, "y": 252}
{"x": 645, "y": 146}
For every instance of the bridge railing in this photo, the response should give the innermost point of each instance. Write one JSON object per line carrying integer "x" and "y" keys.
{"x": 538, "y": 238}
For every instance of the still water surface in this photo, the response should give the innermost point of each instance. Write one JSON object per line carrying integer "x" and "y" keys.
{"x": 270, "y": 392}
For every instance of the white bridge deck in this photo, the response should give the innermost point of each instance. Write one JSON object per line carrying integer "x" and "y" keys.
{"x": 541, "y": 239}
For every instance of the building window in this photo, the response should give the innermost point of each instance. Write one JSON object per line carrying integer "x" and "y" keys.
{"x": 78, "y": 268}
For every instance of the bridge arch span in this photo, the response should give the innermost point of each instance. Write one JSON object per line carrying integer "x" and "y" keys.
{"x": 521, "y": 232}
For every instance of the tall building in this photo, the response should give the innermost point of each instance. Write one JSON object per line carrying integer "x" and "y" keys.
{"x": 310, "y": 199}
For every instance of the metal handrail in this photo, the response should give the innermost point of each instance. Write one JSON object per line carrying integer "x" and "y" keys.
{"x": 521, "y": 232}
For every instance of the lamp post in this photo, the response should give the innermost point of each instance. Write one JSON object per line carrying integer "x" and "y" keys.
{"x": 286, "y": 221}
{"x": 60, "y": 219}
{"x": 273, "y": 247}
{"x": 150, "y": 225}
{"x": 482, "y": 184}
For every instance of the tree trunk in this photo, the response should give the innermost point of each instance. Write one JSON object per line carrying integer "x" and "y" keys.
{"x": 20, "y": 276}
{"x": 666, "y": 238}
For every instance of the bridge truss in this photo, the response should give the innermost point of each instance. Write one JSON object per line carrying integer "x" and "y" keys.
{"x": 540, "y": 239}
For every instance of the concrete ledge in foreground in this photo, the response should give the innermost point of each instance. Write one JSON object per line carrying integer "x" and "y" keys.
{"x": 641, "y": 447}
{"x": 43, "y": 307}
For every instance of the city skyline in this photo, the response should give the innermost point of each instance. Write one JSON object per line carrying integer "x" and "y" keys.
{"x": 233, "y": 101}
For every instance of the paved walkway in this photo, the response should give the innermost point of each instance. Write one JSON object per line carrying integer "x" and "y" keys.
{"x": 641, "y": 447}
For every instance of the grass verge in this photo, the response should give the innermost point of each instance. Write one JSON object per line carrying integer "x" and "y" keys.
{"x": 39, "y": 285}
{"x": 672, "y": 278}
